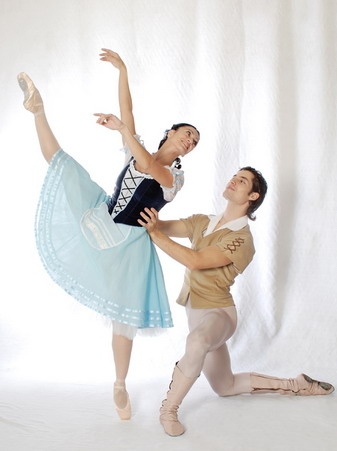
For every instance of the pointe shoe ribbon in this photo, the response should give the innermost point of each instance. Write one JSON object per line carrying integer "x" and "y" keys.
{"x": 32, "y": 98}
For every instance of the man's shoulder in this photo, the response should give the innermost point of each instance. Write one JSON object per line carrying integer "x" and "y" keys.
{"x": 197, "y": 218}
{"x": 196, "y": 224}
{"x": 243, "y": 238}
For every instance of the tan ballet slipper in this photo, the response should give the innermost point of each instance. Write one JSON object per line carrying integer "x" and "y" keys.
{"x": 32, "y": 98}
{"x": 178, "y": 389}
{"x": 302, "y": 385}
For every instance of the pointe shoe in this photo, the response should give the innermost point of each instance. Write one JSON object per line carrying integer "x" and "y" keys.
{"x": 124, "y": 413}
{"x": 32, "y": 100}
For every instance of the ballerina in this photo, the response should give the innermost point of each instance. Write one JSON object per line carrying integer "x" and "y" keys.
{"x": 90, "y": 242}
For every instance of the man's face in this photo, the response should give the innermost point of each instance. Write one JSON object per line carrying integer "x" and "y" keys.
{"x": 239, "y": 188}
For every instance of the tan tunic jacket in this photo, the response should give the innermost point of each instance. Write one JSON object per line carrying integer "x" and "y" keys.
{"x": 210, "y": 288}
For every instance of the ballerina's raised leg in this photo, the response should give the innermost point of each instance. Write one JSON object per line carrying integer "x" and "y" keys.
{"x": 33, "y": 103}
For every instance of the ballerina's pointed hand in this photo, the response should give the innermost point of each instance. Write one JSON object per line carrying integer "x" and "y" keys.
{"x": 109, "y": 120}
{"x": 111, "y": 57}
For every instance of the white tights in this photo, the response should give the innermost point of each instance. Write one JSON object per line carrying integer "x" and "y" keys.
{"x": 206, "y": 350}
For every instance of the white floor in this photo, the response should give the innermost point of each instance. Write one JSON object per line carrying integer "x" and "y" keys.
{"x": 41, "y": 416}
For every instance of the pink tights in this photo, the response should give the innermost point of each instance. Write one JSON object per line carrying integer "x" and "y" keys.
{"x": 206, "y": 350}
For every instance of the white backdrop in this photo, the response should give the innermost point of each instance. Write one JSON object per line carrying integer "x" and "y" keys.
{"x": 258, "y": 79}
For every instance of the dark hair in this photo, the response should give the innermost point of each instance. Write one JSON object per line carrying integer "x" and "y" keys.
{"x": 175, "y": 127}
{"x": 259, "y": 186}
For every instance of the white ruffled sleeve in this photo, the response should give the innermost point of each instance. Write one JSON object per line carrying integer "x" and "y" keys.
{"x": 178, "y": 182}
{"x": 127, "y": 151}
{"x": 178, "y": 174}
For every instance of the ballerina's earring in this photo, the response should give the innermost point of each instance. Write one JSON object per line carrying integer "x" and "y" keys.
{"x": 177, "y": 163}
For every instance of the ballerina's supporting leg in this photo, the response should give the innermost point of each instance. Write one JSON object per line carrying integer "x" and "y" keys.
{"x": 33, "y": 103}
{"x": 122, "y": 348}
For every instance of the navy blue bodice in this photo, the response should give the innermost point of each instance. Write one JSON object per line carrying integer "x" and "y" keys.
{"x": 133, "y": 192}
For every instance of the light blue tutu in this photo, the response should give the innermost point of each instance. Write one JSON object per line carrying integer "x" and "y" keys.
{"x": 111, "y": 268}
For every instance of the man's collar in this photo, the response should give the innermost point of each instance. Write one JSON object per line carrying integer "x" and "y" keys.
{"x": 235, "y": 225}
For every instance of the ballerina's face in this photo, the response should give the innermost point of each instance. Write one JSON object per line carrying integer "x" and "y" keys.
{"x": 185, "y": 138}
